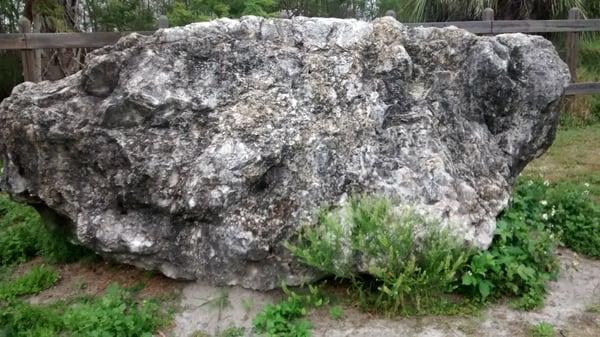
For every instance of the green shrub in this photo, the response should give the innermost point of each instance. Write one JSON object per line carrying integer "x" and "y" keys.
{"x": 24, "y": 235}
{"x": 37, "y": 279}
{"x": 518, "y": 263}
{"x": 567, "y": 209}
{"x": 412, "y": 261}
{"x": 19, "y": 226}
{"x": 20, "y": 319}
{"x": 116, "y": 313}
{"x": 521, "y": 257}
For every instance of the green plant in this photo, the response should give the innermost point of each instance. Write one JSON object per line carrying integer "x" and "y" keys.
{"x": 283, "y": 319}
{"x": 116, "y": 313}
{"x": 314, "y": 297}
{"x": 336, "y": 312}
{"x": 574, "y": 217}
{"x": 569, "y": 210}
{"x": 37, "y": 279}
{"x": 412, "y": 261}
{"x": 593, "y": 308}
{"x": 24, "y": 235}
{"x": 233, "y": 332}
{"x": 521, "y": 257}
{"x": 457, "y": 10}
{"x": 18, "y": 232}
{"x": 542, "y": 329}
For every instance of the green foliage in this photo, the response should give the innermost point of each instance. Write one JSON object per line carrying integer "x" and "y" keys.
{"x": 23, "y": 235}
{"x": 258, "y": 7}
{"x": 589, "y": 70}
{"x": 10, "y": 72}
{"x": 521, "y": 257}
{"x": 19, "y": 225}
{"x": 542, "y": 329}
{"x": 37, "y": 279}
{"x": 116, "y": 313}
{"x": 233, "y": 332}
{"x": 592, "y": 8}
{"x": 180, "y": 14}
{"x": 336, "y": 312}
{"x": 53, "y": 13}
{"x": 568, "y": 210}
{"x": 413, "y": 261}
{"x": 121, "y": 15}
{"x": 10, "y": 10}
{"x": 459, "y": 10}
{"x": 283, "y": 319}
{"x": 185, "y": 12}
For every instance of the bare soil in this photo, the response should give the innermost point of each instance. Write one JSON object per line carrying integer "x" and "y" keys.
{"x": 92, "y": 279}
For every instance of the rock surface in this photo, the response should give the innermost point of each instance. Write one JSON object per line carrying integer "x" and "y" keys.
{"x": 198, "y": 150}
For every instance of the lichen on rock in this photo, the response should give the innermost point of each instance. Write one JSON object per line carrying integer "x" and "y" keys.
{"x": 199, "y": 150}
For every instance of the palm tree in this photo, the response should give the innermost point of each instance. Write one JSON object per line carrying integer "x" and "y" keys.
{"x": 457, "y": 10}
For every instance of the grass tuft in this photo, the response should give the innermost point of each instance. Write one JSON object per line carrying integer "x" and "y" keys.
{"x": 37, "y": 279}
{"x": 542, "y": 329}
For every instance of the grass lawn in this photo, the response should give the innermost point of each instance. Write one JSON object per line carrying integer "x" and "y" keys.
{"x": 574, "y": 157}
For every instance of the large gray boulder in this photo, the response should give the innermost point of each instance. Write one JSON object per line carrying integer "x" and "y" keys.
{"x": 199, "y": 150}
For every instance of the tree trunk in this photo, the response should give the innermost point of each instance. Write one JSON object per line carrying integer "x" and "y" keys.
{"x": 56, "y": 63}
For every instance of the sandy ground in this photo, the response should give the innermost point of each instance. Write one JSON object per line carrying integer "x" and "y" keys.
{"x": 207, "y": 311}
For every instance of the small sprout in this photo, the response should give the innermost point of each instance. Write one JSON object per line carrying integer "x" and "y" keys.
{"x": 336, "y": 312}
{"x": 542, "y": 329}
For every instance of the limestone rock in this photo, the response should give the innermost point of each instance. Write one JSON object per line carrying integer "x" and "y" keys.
{"x": 198, "y": 150}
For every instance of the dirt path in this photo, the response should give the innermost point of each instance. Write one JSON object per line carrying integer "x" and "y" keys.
{"x": 568, "y": 308}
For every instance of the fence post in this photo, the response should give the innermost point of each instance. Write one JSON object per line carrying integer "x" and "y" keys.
{"x": 571, "y": 44}
{"x": 163, "y": 22}
{"x": 31, "y": 65}
{"x": 487, "y": 15}
{"x": 391, "y": 13}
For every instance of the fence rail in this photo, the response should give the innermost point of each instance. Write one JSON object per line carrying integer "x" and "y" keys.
{"x": 29, "y": 42}
{"x": 518, "y": 26}
{"x": 23, "y": 41}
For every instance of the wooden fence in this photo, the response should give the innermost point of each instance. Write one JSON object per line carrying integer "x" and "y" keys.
{"x": 29, "y": 42}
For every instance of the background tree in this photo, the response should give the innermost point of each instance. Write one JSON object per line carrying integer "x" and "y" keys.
{"x": 458, "y": 10}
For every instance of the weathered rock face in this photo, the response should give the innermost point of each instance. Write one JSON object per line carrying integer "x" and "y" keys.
{"x": 198, "y": 150}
